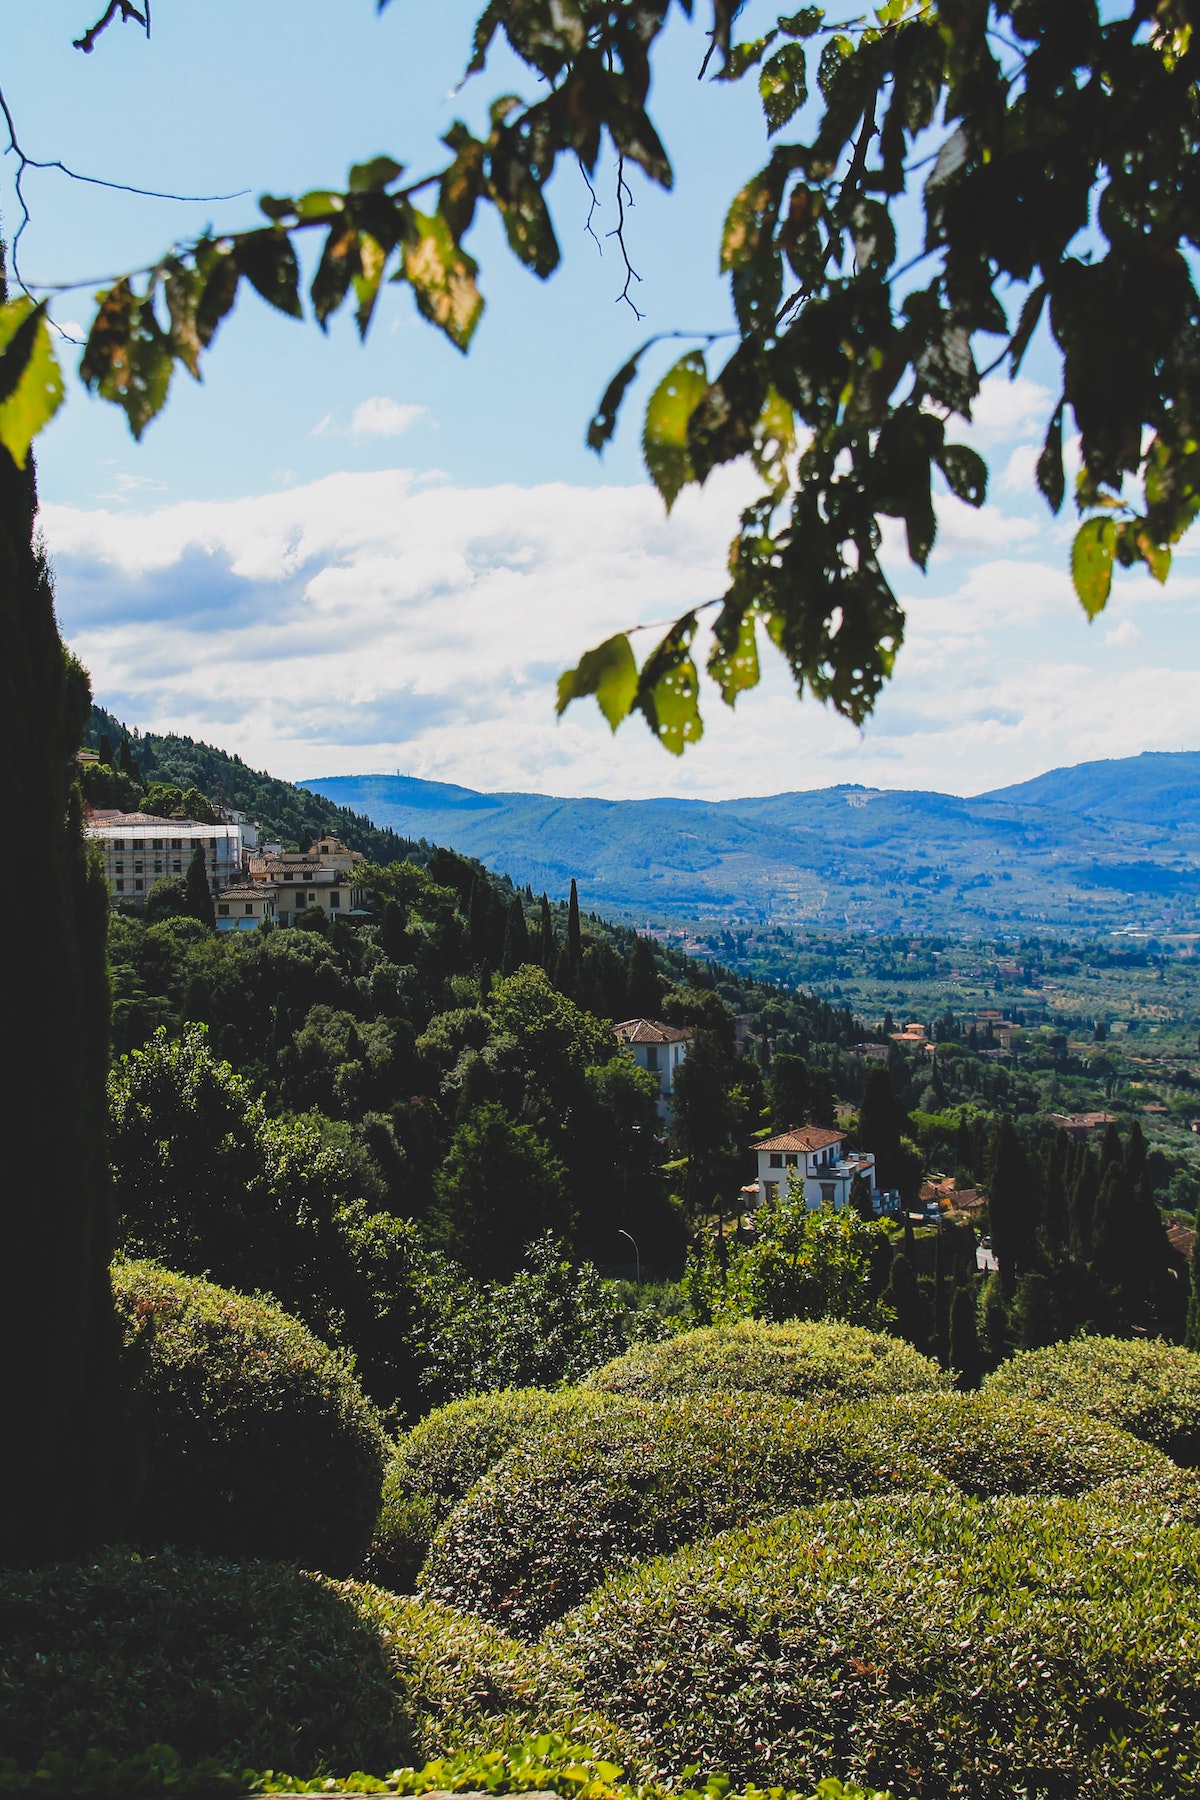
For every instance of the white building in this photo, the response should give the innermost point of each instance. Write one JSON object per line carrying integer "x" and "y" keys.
{"x": 661, "y": 1049}
{"x": 139, "y": 850}
{"x": 815, "y": 1158}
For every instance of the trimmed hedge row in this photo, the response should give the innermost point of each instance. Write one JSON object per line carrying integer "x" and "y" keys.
{"x": 443, "y": 1456}
{"x": 1146, "y": 1387}
{"x": 259, "y": 1441}
{"x": 561, "y": 1511}
{"x": 988, "y": 1445}
{"x": 804, "y": 1360}
{"x": 255, "y": 1665}
{"x": 933, "y": 1644}
{"x": 564, "y": 1510}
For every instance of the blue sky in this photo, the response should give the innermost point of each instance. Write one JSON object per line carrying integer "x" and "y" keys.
{"x": 336, "y": 559}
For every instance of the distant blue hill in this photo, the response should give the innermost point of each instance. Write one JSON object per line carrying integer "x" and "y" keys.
{"x": 1100, "y": 845}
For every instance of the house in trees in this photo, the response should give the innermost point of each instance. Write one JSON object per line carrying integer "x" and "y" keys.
{"x": 139, "y": 850}
{"x": 289, "y": 881}
{"x": 815, "y": 1158}
{"x": 659, "y": 1048}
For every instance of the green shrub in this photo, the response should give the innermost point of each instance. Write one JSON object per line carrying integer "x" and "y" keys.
{"x": 255, "y": 1664}
{"x": 988, "y": 1445}
{"x": 931, "y": 1643}
{"x": 566, "y": 1507}
{"x": 441, "y": 1458}
{"x": 825, "y": 1363}
{"x": 259, "y": 1441}
{"x": 1146, "y": 1387}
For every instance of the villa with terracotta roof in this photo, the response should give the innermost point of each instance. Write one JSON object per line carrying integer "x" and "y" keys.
{"x": 813, "y": 1157}
{"x": 659, "y": 1048}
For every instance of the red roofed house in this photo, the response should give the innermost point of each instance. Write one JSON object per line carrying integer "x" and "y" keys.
{"x": 659, "y": 1048}
{"x": 813, "y": 1156}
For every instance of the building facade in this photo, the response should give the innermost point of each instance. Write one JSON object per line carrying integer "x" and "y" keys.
{"x": 814, "y": 1158}
{"x": 660, "y": 1049}
{"x": 291, "y": 881}
{"x": 139, "y": 850}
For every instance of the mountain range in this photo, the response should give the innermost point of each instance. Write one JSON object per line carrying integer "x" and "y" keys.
{"x": 1097, "y": 846}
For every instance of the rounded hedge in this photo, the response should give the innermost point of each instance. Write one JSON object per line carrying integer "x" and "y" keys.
{"x": 259, "y": 1441}
{"x": 257, "y": 1664}
{"x": 443, "y": 1456}
{"x": 565, "y": 1508}
{"x": 824, "y": 1363}
{"x": 1144, "y": 1386}
{"x": 931, "y": 1644}
{"x": 989, "y": 1445}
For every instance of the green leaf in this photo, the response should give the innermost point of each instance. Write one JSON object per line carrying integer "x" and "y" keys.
{"x": 318, "y": 203}
{"x": 127, "y": 358}
{"x": 183, "y": 288}
{"x": 1049, "y": 472}
{"x": 783, "y": 85}
{"x": 442, "y": 277}
{"x": 1031, "y": 312}
{"x": 372, "y": 261}
{"x": 1092, "y": 556}
{"x": 746, "y": 56}
{"x": 803, "y": 24}
{"x": 965, "y": 471}
{"x": 733, "y": 662}
{"x": 366, "y": 178}
{"x": 664, "y": 434}
{"x": 218, "y": 268}
{"x": 1157, "y": 557}
{"x": 268, "y": 261}
{"x": 774, "y": 437}
{"x": 610, "y": 672}
{"x": 669, "y": 687}
{"x": 604, "y": 420}
{"x": 337, "y": 268}
{"x": 30, "y": 379}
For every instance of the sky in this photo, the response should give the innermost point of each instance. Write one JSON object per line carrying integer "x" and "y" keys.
{"x": 341, "y": 559}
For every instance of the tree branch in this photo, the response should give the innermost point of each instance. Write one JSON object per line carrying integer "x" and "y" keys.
{"x": 122, "y": 9}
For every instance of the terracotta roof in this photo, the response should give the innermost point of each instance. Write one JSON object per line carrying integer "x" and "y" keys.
{"x": 803, "y": 1137}
{"x": 242, "y": 892}
{"x": 649, "y": 1031}
{"x": 1182, "y": 1239}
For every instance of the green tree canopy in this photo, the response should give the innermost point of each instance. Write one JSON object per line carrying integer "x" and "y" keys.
{"x": 966, "y": 174}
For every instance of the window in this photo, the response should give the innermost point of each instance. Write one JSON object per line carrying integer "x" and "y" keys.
{"x": 177, "y": 867}
{"x": 776, "y": 1159}
{"x": 791, "y": 1160}
{"x": 177, "y": 843}
{"x": 288, "y": 876}
{"x": 652, "y": 1057}
{"x": 248, "y": 907}
{"x": 118, "y": 843}
{"x": 138, "y": 886}
{"x": 137, "y": 869}
{"x": 119, "y": 868}
{"x": 827, "y": 1188}
{"x": 335, "y": 899}
{"x": 158, "y": 868}
{"x": 224, "y": 911}
{"x": 120, "y": 887}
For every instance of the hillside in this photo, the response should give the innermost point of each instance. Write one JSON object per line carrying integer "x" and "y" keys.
{"x": 1078, "y": 850}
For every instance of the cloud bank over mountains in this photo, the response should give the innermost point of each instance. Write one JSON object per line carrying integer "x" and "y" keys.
{"x": 393, "y": 620}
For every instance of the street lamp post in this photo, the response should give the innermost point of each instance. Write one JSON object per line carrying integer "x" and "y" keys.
{"x": 637, "y": 1260}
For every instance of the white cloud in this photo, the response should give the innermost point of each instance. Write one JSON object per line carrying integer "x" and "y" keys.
{"x": 378, "y": 417}
{"x": 373, "y": 621}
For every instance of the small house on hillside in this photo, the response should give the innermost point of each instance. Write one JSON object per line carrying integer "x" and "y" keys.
{"x": 815, "y": 1158}
{"x": 659, "y": 1048}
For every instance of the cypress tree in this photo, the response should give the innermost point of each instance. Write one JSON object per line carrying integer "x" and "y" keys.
{"x": 993, "y": 1321}
{"x": 199, "y": 895}
{"x": 878, "y": 1126}
{"x": 965, "y": 1357}
{"x": 1033, "y": 1317}
{"x": 1111, "y": 1153}
{"x": 65, "y": 1458}
{"x": 1012, "y": 1207}
{"x": 574, "y": 940}
{"x": 903, "y": 1295}
{"x": 516, "y": 938}
{"x": 477, "y": 918}
{"x": 1136, "y": 1151}
{"x": 393, "y": 933}
{"x": 1081, "y": 1207}
{"x": 106, "y": 749}
{"x": 643, "y": 988}
{"x": 548, "y": 943}
{"x": 941, "y": 1300}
